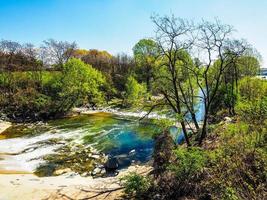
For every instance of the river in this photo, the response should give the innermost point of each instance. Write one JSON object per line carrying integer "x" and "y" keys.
{"x": 25, "y": 146}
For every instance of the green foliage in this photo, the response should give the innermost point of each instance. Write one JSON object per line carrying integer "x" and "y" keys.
{"x": 145, "y": 53}
{"x": 20, "y": 95}
{"x": 190, "y": 161}
{"x": 227, "y": 94}
{"x": 115, "y": 69}
{"x": 248, "y": 65}
{"x": 134, "y": 91}
{"x": 252, "y": 106}
{"x": 225, "y": 98}
{"x": 236, "y": 169}
{"x": 135, "y": 184}
{"x": 253, "y": 111}
{"x": 230, "y": 194}
{"x": 252, "y": 89}
{"x": 80, "y": 82}
{"x": 163, "y": 123}
{"x": 35, "y": 95}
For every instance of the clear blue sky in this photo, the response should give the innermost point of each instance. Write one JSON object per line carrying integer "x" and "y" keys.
{"x": 116, "y": 25}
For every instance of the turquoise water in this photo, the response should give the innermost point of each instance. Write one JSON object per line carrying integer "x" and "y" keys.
{"x": 127, "y": 140}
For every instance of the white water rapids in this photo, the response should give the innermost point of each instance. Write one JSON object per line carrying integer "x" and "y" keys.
{"x": 24, "y": 154}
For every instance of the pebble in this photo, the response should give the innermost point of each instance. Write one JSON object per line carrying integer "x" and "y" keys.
{"x": 95, "y": 156}
{"x": 96, "y": 171}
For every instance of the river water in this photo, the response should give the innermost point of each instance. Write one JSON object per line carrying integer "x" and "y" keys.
{"x": 127, "y": 139}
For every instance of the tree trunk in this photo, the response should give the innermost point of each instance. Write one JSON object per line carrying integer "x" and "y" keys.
{"x": 148, "y": 83}
{"x": 204, "y": 129}
{"x": 193, "y": 115}
{"x": 185, "y": 133}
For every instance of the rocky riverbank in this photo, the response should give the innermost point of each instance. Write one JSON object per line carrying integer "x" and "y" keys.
{"x": 119, "y": 112}
{"x": 66, "y": 186}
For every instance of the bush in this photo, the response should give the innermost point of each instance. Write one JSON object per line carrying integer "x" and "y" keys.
{"x": 236, "y": 169}
{"x": 189, "y": 162}
{"x": 254, "y": 112}
{"x": 27, "y": 104}
{"x": 252, "y": 88}
{"x": 135, "y": 185}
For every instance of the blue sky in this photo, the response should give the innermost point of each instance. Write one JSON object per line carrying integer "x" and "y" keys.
{"x": 116, "y": 25}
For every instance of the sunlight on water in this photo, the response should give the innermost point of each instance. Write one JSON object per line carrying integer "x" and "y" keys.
{"x": 128, "y": 140}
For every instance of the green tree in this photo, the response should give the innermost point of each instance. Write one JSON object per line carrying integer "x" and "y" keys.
{"x": 247, "y": 65}
{"x": 134, "y": 91}
{"x": 145, "y": 53}
{"x": 80, "y": 83}
{"x": 252, "y": 105}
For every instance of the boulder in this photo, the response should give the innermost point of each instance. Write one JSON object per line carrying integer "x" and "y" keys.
{"x": 228, "y": 119}
{"x": 112, "y": 164}
{"x": 61, "y": 171}
{"x": 132, "y": 152}
{"x": 96, "y": 171}
{"x": 103, "y": 171}
{"x": 95, "y": 156}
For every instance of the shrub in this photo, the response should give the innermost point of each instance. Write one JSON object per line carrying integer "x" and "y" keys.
{"x": 254, "y": 112}
{"x": 182, "y": 176}
{"x": 237, "y": 168}
{"x": 252, "y": 88}
{"x": 189, "y": 162}
{"x": 135, "y": 185}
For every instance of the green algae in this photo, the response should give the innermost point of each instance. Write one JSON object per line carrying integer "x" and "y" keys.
{"x": 20, "y": 130}
{"x": 76, "y": 158}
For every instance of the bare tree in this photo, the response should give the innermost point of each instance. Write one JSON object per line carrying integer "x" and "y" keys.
{"x": 9, "y": 50}
{"x": 30, "y": 51}
{"x": 173, "y": 35}
{"x": 31, "y": 55}
{"x": 57, "y": 52}
{"x": 217, "y": 51}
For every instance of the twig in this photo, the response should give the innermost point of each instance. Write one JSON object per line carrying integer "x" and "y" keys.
{"x": 108, "y": 191}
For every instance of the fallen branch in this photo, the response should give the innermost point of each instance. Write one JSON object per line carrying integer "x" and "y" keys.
{"x": 108, "y": 191}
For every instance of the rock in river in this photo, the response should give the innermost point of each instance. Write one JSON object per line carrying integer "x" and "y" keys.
{"x": 112, "y": 164}
{"x": 61, "y": 171}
